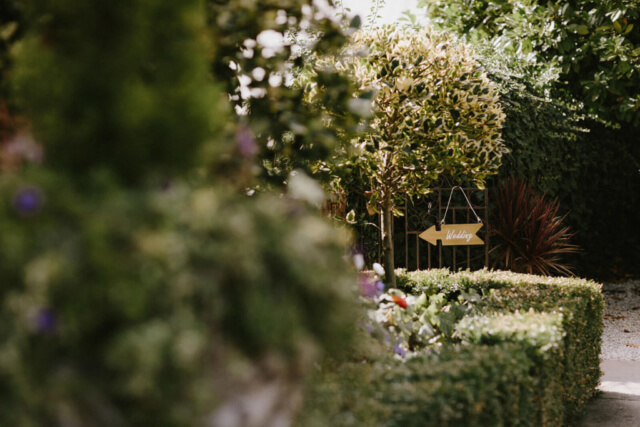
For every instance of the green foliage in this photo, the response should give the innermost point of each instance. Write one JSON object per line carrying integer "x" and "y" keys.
{"x": 433, "y": 112}
{"x": 11, "y": 22}
{"x": 148, "y": 304}
{"x": 465, "y": 385}
{"x": 532, "y": 237}
{"x": 580, "y": 302}
{"x": 541, "y": 132}
{"x": 114, "y": 102}
{"x": 260, "y": 52}
{"x": 419, "y": 321}
{"x": 594, "y": 43}
{"x": 541, "y": 332}
{"x": 580, "y": 162}
{"x": 529, "y": 355}
{"x": 540, "y": 336}
{"x": 124, "y": 299}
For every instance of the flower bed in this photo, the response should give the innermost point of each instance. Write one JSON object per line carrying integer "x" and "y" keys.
{"x": 483, "y": 348}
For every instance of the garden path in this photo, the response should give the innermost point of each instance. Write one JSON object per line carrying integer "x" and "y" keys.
{"x": 619, "y": 403}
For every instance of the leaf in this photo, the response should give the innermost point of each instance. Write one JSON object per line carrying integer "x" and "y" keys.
{"x": 446, "y": 321}
{"x": 8, "y": 30}
{"x": 351, "y": 217}
{"x": 617, "y": 26}
{"x": 583, "y": 30}
{"x": 616, "y": 15}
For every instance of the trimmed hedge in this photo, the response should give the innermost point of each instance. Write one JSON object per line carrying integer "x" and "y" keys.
{"x": 464, "y": 385}
{"x": 580, "y": 301}
{"x": 528, "y": 355}
{"x": 540, "y": 337}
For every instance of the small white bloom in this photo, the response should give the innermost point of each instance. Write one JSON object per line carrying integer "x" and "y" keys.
{"x": 404, "y": 83}
{"x": 303, "y": 187}
{"x": 379, "y": 269}
{"x": 358, "y": 261}
{"x": 281, "y": 19}
{"x": 271, "y": 40}
{"x": 361, "y": 107}
{"x": 275, "y": 80}
{"x": 244, "y": 80}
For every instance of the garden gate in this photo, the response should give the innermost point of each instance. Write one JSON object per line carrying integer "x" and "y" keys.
{"x": 422, "y": 213}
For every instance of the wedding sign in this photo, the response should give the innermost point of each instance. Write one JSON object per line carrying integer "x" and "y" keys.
{"x": 453, "y": 234}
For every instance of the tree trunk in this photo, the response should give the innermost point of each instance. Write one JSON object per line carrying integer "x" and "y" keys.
{"x": 387, "y": 242}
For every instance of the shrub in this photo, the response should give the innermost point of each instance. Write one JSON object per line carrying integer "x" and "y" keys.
{"x": 139, "y": 301}
{"x": 528, "y": 355}
{"x": 111, "y": 102}
{"x": 580, "y": 302}
{"x": 466, "y": 385}
{"x": 540, "y": 337}
{"x": 257, "y": 51}
{"x": 589, "y": 41}
{"x": 584, "y": 163}
{"x": 170, "y": 300}
{"x": 531, "y": 235}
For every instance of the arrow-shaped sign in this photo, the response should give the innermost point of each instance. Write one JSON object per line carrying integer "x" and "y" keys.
{"x": 453, "y": 234}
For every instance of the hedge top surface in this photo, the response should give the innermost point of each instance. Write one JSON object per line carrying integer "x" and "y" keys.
{"x": 443, "y": 279}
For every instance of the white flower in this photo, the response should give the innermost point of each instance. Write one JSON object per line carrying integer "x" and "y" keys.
{"x": 303, "y": 187}
{"x": 258, "y": 73}
{"x": 404, "y": 83}
{"x": 272, "y": 42}
{"x": 361, "y": 107}
{"x": 358, "y": 261}
{"x": 378, "y": 269}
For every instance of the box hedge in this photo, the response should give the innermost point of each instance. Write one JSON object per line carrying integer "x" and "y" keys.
{"x": 528, "y": 354}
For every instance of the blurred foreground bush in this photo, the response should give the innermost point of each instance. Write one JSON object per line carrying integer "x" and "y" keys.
{"x": 137, "y": 290}
{"x": 131, "y": 307}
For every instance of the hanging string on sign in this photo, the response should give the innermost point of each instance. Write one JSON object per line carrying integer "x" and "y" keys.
{"x": 468, "y": 202}
{"x": 454, "y": 234}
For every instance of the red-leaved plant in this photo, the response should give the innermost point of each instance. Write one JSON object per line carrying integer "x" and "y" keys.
{"x": 531, "y": 235}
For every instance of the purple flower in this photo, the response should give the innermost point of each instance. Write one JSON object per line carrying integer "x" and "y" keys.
{"x": 367, "y": 286}
{"x": 366, "y": 326}
{"x": 246, "y": 142}
{"x": 380, "y": 286}
{"x": 397, "y": 349}
{"x": 28, "y": 200}
{"x": 45, "y": 321}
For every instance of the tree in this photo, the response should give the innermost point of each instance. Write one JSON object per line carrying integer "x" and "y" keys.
{"x": 261, "y": 47}
{"x": 594, "y": 43}
{"x": 593, "y": 49}
{"x": 433, "y": 113}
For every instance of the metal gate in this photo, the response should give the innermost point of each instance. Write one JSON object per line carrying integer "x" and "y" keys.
{"x": 422, "y": 213}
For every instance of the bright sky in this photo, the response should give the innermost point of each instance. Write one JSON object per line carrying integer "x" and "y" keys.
{"x": 388, "y": 14}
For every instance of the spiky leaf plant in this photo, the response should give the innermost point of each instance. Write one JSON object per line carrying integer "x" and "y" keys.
{"x": 532, "y": 237}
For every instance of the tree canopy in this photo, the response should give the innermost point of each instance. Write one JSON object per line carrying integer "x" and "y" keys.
{"x": 594, "y": 43}
{"x": 433, "y": 113}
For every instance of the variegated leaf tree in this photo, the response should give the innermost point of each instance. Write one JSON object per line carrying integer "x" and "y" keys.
{"x": 434, "y": 113}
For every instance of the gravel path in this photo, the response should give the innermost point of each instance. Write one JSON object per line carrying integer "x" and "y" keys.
{"x": 621, "y": 338}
